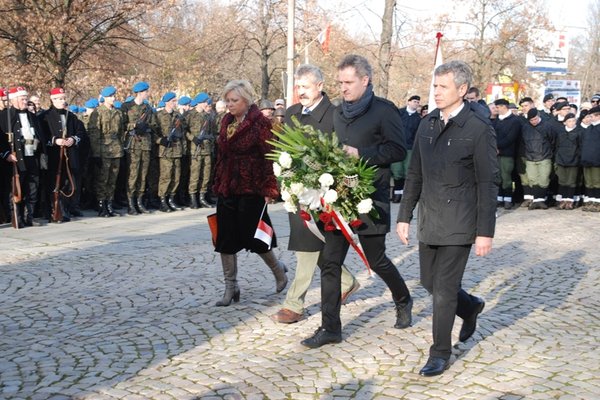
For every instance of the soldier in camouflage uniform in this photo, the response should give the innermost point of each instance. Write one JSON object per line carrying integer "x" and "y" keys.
{"x": 141, "y": 128}
{"x": 106, "y": 130}
{"x": 171, "y": 129}
{"x": 185, "y": 107}
{"x": 201, "y": 136}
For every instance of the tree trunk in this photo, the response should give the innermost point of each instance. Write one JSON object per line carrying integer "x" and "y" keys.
{"x": 385, "y": 55}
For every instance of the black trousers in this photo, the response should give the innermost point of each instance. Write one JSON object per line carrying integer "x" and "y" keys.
{"x": 442, "y": 269}
{"x": 330, "y": 261}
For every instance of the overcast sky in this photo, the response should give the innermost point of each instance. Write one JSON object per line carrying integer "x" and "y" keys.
{"x": 569, "y": 14}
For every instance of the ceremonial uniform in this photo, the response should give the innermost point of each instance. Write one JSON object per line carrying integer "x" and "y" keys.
{"x": 170, "y": 137}
{"x": 139, "y": 139}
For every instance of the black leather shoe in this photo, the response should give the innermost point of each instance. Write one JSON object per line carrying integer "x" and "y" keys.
{"x": 320, "y": 338}
{"x": 434, "y": 366}
{"x": 470, "y": 323}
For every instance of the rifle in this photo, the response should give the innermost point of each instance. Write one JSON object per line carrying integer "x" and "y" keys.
{"x": 202, "y": 136}
{"x": 174, "y": 134}
{"x": 16, "y": 179}
{"x": 133, "y": 133}
{"x": 57, "y": 211}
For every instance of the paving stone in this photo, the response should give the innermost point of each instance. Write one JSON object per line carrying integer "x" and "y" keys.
{"x": 88, "y": 314}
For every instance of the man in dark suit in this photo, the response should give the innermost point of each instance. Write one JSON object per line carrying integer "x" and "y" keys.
{"x": 369, "y": 127}
{"x": 453, "y": 175}
{"x": 314, "y": 109}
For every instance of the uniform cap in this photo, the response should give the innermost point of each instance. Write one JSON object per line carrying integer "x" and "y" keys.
{"x": 108, "y": 91}
{"x": 92, "y": 103}
{"x": 414, "y": 97}
{"x": 117, "y": 104}
{"x": 140, "y": 87}
{"x": 184, "y": 101}
{"x": 569, "y": 116}
{"x": 168, "y": 96}
{"x": 266, "y": 105}
{"x": 501, "y": 102}
{"x": 560, "y": 105}
{"x": 57, "y": 91}
{"x": 525, "y": 99}
{"x": 193, "y": 103}
{"x": 129, "y": 98}
{"x": 595, "y": 110}
{"x": 279, "y": 112}
{"x": 81, "y": 110}
{"x": 16, "y": 92}
{"x": 280, "y": 102}
{"x": 549, "y": 96}
{"x": 201, "y": 98}
{"x": 532, "y": 113}
{"x": 595, "y": 97}
{"x": 74, "y": 108}
{"x": 161, "y": 104}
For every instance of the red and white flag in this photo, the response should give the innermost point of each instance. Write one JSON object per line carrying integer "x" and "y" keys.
{"x": 323, "y": 39}
{"x": 438, "y": 61}
{"x": 264, "y": 232}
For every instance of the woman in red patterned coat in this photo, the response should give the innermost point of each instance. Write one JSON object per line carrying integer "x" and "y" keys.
{"x": 244, "y": 183}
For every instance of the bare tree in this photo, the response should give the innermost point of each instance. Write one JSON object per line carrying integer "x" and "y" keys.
{"x": 48, "y": 38}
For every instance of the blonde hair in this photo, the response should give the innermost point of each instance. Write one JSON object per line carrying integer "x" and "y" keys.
{"x": 242, "y": 87}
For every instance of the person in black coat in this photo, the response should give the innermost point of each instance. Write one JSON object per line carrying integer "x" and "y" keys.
{"x": 538, "y": 140}
{"x": 316, "y": 110}
{"x": 30, "y": 152}
{"x": 410, "y": 120}
{"x": 508, "y": 134}
{"x": 368, "y": 127}
{"x": 567, "y": 159}
{"x": 63, "y": 129}
{"x": 453, "y": 176}
{"x": 590, "y": 160}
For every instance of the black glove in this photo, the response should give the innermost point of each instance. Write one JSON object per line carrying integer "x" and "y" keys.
{"x": 97, "y": 161}
{"x": 142, "y": 127}
{"x": 164, "y": 141}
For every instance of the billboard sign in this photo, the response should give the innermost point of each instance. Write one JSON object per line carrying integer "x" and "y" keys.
{"x": 551, "y": 52}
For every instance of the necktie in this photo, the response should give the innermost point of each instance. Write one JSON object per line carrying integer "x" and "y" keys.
{"x": 306, "y": 111}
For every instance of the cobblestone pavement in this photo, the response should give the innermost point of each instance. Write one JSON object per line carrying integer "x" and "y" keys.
{"x": 123, "y": 308}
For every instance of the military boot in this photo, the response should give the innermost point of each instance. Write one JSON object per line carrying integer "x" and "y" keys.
{"x": 140, "y": 206}
{"x": 171, "y": 203}
{"x": 102, "y": 209}
{"x": 131, "y": 207}
{"x": 194, "y": 201}
{"x": 203, "y": 202}
{"x": 164, "y": 207}
{"x": 109, "y": 209}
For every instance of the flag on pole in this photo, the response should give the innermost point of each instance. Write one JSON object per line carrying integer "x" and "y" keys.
{"x": 438, "y": 61}
{"x": 264, "y": 232}
{"x": 323, "y": 39}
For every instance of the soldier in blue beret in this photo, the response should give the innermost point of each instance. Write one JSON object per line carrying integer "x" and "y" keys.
{"x": 141, "y": 130}
{"x": 106, "y": 129}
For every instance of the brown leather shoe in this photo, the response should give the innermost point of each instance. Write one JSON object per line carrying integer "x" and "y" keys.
{"x": 286, "y": 316}
{"x": 352, "y": 289}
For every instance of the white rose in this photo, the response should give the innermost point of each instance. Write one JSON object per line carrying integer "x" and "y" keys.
{"x": 310, "y": 198}
{"x": 297, "y": 188}
{"x": 290, "y": 207}
{"x": 326, "y": 180}
{"x": 330, "y": 196}
{"x": 276, "y": 169}
{"x": 365, "y": 206}
{"x": 285, "y": 160}
{"x": 285, "y": 195}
